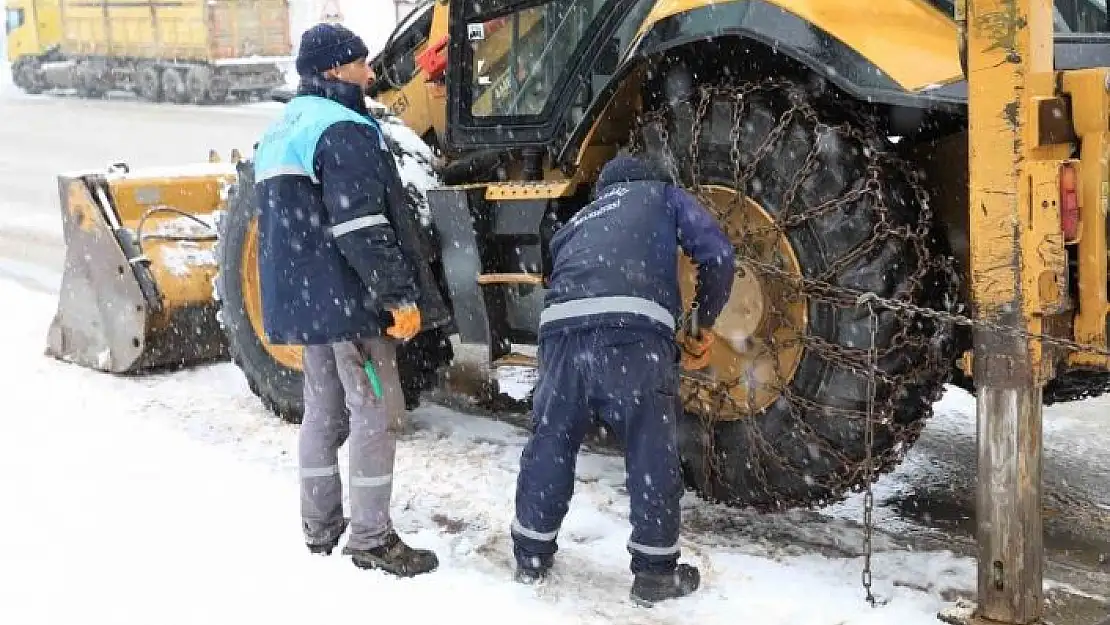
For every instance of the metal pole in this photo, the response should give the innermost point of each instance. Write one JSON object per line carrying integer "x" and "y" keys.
{"x": 1009, "y": 48}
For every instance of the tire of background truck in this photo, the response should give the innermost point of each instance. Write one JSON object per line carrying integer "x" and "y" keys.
{"x": 89, "y": 84}
{"x": 23, "y": 75}
{"x": 274, "y": 373}
{"x": 795, "y": 451}
{"x": 201, "y": 86}
{"x": 173, "y": 86}
{"x": 148, "y": 83}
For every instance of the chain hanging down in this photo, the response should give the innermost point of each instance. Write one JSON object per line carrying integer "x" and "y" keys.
{"x": 834, "y": 231}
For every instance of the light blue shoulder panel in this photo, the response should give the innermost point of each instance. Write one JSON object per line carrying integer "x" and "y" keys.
{"x": 288, "y": 146}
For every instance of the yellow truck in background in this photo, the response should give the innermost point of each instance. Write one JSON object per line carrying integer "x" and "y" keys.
{"x": 181, "y": 51}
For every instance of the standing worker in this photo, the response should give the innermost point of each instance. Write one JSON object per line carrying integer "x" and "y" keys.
{"x": 607, "y": 347}
{"x": 341, "y": 273}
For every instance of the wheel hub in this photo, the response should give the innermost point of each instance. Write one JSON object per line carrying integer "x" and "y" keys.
{"x": 758, "y": 333}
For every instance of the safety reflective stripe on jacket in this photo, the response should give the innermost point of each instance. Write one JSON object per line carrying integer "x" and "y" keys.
{"x": 289, "y": 147}
{"x": 608, "y": 304}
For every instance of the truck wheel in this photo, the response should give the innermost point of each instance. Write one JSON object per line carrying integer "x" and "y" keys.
{"x": 173, "y": 86}
{"x": 24, "y": 76}
{"x": 198, "y": 85}
{"x": 273, "y": 372}
{"x": 149, "y": 81}
{"x": 89, "y": 83}
{"x": 778, "y": 421}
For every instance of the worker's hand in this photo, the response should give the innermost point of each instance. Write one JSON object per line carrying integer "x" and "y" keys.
{"x": 695, "y": 350}
{"x": 406, "y": 322}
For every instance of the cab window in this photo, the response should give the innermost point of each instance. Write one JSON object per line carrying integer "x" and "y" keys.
{"x": 519, "y": 59}
{"x": 13, "y": 19}
{"x": 399, "y": 58}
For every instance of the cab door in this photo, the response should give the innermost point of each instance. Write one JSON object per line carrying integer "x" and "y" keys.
{"x": 516, "y": 66}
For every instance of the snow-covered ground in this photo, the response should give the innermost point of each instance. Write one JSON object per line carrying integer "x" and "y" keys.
{"x": 173, "y": 499}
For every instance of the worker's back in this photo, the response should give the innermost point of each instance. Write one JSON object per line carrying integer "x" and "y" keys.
{"x": 615, "y": 261}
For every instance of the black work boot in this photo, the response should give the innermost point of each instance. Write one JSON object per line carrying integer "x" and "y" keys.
{"x": 649, "y": 588}
{"x": 394, "y": 557}
{"x": 535, "y": 572}
{"x": 325, "y": 549}
{"x": 530, "y": 577}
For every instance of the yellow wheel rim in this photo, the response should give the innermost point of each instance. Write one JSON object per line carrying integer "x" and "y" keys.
{"x": 758, "y": 334}
{"x": 288, "y": 356}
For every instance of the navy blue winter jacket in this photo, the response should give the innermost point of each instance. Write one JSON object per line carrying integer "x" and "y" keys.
{"x": 615, "y": 261}
{"x": 333, "y": 233}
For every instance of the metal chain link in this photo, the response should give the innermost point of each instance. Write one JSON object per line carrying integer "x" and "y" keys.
{"x": 908, "y": 222}
{"x": 869, "y": 444}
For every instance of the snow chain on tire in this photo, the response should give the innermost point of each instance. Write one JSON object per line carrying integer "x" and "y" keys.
{"x": 908, "y": 355}
{"x": 889, "y": 374}
{"x": 915, "y": 360}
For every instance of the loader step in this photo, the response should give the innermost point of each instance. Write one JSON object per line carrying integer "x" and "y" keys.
{"x": 510, "y": 278}
{"x": 516, "y": 360}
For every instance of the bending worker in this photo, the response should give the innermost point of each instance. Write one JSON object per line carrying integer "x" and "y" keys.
{"x": 341, "y": 274}
{"x": 607, "y": 347}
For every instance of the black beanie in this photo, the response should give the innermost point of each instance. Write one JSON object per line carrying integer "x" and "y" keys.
{"x": 325, "y": 46}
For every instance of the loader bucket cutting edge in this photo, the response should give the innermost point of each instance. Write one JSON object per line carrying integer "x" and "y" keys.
{"x": 128, "y": 305}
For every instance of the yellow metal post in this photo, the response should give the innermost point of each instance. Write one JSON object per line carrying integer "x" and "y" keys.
{"x": 1009, "y": 68}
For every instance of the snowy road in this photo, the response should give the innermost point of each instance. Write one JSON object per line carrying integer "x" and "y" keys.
{"x": 172, "y": 498}
{"x": 43, "y": 136}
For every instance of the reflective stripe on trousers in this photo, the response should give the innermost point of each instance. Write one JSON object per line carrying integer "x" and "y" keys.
{"x": 334, "y": 379}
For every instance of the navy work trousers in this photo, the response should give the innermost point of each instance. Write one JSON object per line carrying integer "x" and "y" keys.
{"x": 629, "y": 379}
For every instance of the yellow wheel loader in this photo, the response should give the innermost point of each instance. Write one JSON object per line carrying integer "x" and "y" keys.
{"x": 832, "y": 139}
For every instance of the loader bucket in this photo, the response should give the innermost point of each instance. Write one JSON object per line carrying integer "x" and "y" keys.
{"x": 136, "y": 291}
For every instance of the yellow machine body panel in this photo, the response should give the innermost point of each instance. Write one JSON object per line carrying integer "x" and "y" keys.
{"x": 32, "y": 26}
{"x": 185, "y": 30}
{"x": 910, "y": 40}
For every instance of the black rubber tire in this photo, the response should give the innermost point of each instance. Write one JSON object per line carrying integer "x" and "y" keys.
{"x": 23, "y": 75}
{"x": 174, "y": 89}
{"x": 277, "y": 386}
{"x": 419, "y": 361}
{"x": 791, "y": 455}
{"x": 149, "y": 83}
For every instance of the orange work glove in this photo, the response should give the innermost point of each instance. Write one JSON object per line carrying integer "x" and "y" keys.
{"x": 406, "y": 322}
{"x": 695, "y": 351}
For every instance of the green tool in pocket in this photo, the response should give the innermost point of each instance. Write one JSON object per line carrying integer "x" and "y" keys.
{"x": 375, "y": 381}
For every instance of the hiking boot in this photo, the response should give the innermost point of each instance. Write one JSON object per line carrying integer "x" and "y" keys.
{"x": 529, "y": 576}
{"x": 394, "y": 557}
{"x": 535, "y": 572}
{"x": 325, "y": 549}
{"x": 649, "y": 588}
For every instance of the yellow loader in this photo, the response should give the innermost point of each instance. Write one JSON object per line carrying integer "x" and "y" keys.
{"x": 834, "y": 141}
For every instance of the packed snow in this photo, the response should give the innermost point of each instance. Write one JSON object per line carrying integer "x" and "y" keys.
{"x": 173, "y": 498}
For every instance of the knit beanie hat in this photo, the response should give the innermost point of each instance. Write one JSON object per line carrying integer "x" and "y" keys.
{"x": 326, "y": 46}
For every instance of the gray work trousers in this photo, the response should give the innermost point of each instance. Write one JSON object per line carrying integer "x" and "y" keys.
{"x": 333, "y": 379}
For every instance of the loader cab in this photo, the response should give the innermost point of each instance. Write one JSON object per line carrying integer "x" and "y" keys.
{"x": 396, "y": 65}
{"x": 523, "y": 72}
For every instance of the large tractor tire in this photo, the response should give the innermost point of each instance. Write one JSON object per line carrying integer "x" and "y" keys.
{"x": 825, "y": 211}
{"x": 273, "y": 372}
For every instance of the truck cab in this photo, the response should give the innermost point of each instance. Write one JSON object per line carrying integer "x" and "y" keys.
{"x": 32, "y": 28}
